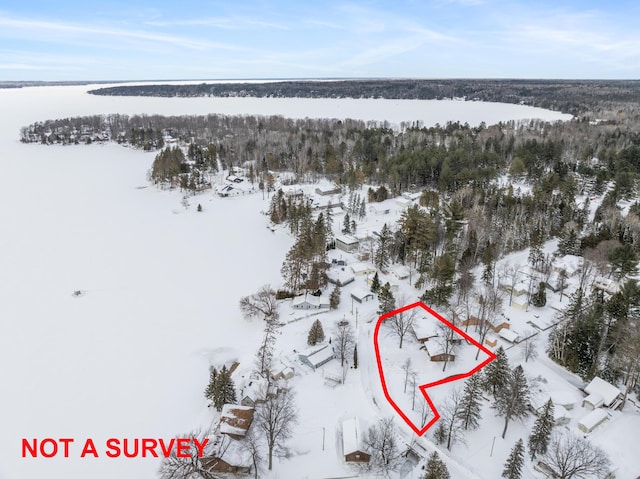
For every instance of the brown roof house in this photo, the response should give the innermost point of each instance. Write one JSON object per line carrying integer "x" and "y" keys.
{"x": 235, "y": 420}
{"x": 223, "y": 454}
{"x": 353, "y": 446}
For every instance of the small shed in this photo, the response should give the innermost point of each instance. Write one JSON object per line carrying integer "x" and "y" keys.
{"x": 326, "y": 190}
{"x": 353, "y": 446}
{"x": 317, "y": 356}
{"x": 607, "y": 391}
{"x": 361, "y": 295}
{"x": 593, "y": 401}
{"x": 403, "y": 202}
{"x": 592, "y": 420}
{"x": 378, "y": 209}
{"x": 347, "y": 243}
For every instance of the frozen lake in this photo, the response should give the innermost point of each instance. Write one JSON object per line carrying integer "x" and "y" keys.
{"x": 129, "y": 357}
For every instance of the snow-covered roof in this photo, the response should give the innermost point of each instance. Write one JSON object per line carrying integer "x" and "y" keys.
{"x": 347, "y": 239}
{"x": 352, "y": 439}
{"x": 360, "y": 293}
{"x": 599, "y": 386}
{"x": 594, "y": 399}
{"x": 235, "y": 419}
{"x": 592, "y": 419}
{"x": 433, "y": 348}
{"x": 318, "y": 354}
{"x": 309, "y": 299}
{"x": 400, "y": 271}
{"x": 509, "y": 335}
{"x": 228, "y": 450}
{"x": 559, "y": 412}
{"x": 340, "y": 274}
{"x": 424, "y": 328}
{"x": 404, "y": 201}
{"x": 361, "y": 268}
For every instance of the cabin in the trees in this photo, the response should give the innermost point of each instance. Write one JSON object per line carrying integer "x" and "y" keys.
{"x": 378, "y": 209}
{"x": 423, "y": 329}
{"x": 317, "y": 356}
{"x": 353, "y": 446}
{"x": 362, "y": 269}
{"x": 601, "y": 393}
{"x": 235, "y": 420}
{"x": 360, "y": 295}
{"x": 399, "y": 271}
{"x": 347, "y": 243}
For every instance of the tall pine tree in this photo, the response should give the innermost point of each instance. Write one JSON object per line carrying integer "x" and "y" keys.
{"x": 470, "y": 403}
{"x": 316, "y": 333}
{"x": 386, "y": 299}
{"x": 436, "y": 469}
{"x": 209, "y": 393}
{"x": 497, "y": 372}
{"x": 224, "y": 389}
{"x": 515, "y": 461}
{"x": 512, "y": 400}
{"x": 541, "y": 433}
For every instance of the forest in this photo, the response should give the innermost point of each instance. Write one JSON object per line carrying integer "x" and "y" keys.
{"x": 569, "y": 96}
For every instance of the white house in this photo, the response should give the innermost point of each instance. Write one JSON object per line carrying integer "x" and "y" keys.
{"x": 403, "y": 202}
{"x": 600, "y": 392}
{"x": 340, "y": 276}
{"x": 316, "y": 356}
{"x": 378, "y": 209}
{"x": 362, "y": 269}
{"x": 308, "y": 301}
{"x": 509, "y": 335}
{"x": 399, "y": 271}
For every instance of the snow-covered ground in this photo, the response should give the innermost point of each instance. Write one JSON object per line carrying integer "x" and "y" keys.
{"x": 159, "y": 285}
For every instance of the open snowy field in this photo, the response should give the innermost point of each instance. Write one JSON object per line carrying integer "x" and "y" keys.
{"x": 160, "y": 283}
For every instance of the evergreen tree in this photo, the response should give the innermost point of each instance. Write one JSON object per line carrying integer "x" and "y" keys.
{"x": 316, "y": 333}
{"x": 497, "y": 372}
{"x": 512, "y": 400}
{"x": 375, "y": 283}
{"x": 209, "y": 393}
{"x": 224, "y": 389}
{"x": 515, "y": 461}
{"x": 436, "y": 469}
{"x": 470, "y": 403}
{"x": 346, "y": 225}
{"x": 440, "y": 434}
{"x": 334, "y": 298}
{"x": 539, "y": 299}
{"x": 355, "y": 357}
{"x": 541, "y": 433}
{"x": 381, "y": 255}
{"x": 386, "y": 299}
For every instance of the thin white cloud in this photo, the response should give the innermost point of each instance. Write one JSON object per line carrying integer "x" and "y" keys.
{"x": 225, "y": 23}
{"x": 44, "y": 29}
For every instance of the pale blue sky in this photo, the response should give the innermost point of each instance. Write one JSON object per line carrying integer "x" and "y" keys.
{"x": 139, "y": 40}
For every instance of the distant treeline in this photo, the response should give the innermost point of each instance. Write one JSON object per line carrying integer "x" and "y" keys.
{"x": 569, "y": 96}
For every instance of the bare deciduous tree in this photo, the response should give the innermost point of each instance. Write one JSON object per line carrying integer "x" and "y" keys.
{"x": 529, "y": 345}
{"x": 261, "y": 303}
{"x": 571, "y": 457}
{"x": 275, "y": 419}
{"x": 448, "y": 341}
{"x": 193, "y": 466}
{"x": 344, "y": 341}
{"x": 381, "y": 441}
{"x": 400, "y": 324}
{"x": 450, "y": 417}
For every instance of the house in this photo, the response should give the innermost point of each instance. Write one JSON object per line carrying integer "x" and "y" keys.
{"x": 347, "y": 243}
{"x": 403, "y": 202}
{"x": 340, "y": 276}
{"x": 286, "y": 372}
{"x": 254, "y": 392}
{"x": 436, "y": 352}
{"x": 592, "y": 420}
{"x": 362, "y": 269}
{"x": 317, "y": 356}
{"x": 361, "y": 295}
{"x": 399, "y": 271}
{"x": 600, "y": 392}
{"x": 353, "y": 446}
{"x": 509, "y": 335}
{"x": 378, "y": 209}
{"x": 423, "y": 330}
{"x": 496, "y": 326}
{"x": 235, "y": 420}
{"x": 308, "y": 301}
{"x": 328, "y": 190}
{"x": 606, "y": 285}
{"x": 222, "y": 454}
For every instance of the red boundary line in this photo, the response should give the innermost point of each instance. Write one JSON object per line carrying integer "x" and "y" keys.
{"x": 423, "y": 388}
